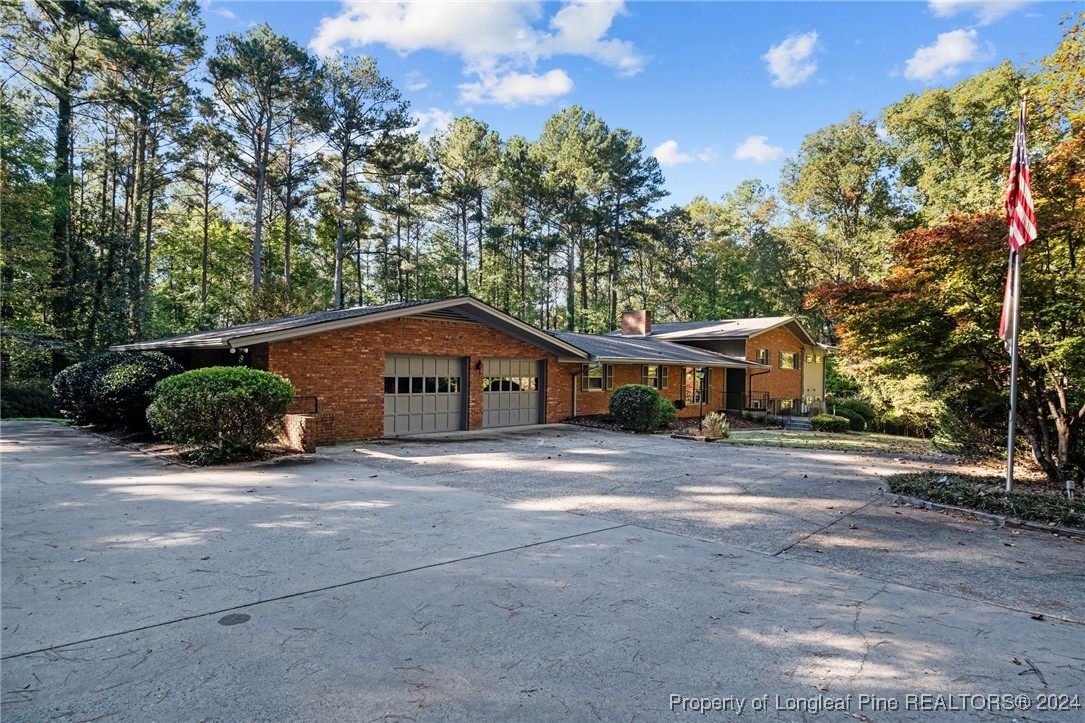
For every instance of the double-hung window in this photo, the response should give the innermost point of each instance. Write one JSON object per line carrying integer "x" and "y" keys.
{"x": 788, "y": 360}
{"x": 696, "y": 385}
{"x": 598, "y": 378}
{"x": 654, "y": 376}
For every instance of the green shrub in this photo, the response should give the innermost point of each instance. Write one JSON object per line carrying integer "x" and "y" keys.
{"x": 855, "y": 404}
{"x": 122, "y": 392}
{"x": 668, "y": 415}
{"x": 829, "y": 423}
{"x": 716, "y": 424}
{"x": 73, "y": 387}
{"x": 226, "y": 413}
{"x": 27, "y": 398}
{"x": 110, "y": 390}
{"x": 855, "y": 420}
{"x": 764, "y": 418}
{"x": 636, "y": 407}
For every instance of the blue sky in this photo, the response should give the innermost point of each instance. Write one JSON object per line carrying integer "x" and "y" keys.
{"x": 719, "y": 91}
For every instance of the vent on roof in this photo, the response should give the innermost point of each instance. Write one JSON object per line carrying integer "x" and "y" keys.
{"x": 445, "y": 315}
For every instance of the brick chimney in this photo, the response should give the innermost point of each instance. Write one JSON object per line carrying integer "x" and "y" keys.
{"x": 636, "y": 323}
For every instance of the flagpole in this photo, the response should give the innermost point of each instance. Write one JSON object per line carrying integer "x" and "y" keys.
{"x": 1016, "y": 314}
{"x": 1015, "y": 255}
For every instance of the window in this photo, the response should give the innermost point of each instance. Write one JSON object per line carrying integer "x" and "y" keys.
{"x": 597, "y": 379}
{"x": 810, "y": 358}
{"x": 788, "y": 360}
{"x": 420, "y": 385}
{"x": 762, "y": 356}
{"x": 696, "y": 385}
{"x": 654, "y": 376}
{"x": 510, "y": 384}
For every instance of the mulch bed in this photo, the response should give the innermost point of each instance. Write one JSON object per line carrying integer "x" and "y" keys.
{"x": 147, "y": 443}
{"x": 1034, "y": 499}
{"x": 683, "y": 425}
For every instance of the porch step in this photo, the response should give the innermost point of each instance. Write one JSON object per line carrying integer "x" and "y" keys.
{"x": 801, "y": 423}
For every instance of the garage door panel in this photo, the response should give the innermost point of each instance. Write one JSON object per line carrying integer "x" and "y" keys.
{"x": 422, "y": 394}
{"x": 512, "y": 392}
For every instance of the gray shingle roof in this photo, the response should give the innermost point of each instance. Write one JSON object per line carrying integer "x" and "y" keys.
{"x": 724, "y": 328}
{"x": 457, "y": 308}
{"x": 637, "y": 349}
{"x": 222, "y": 337}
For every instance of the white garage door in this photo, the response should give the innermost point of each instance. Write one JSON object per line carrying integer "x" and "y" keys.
{"x": 423, "y": 394}
{"x": 512, "y": 392}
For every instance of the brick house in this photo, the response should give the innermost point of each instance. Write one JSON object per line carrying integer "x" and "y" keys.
{"x": 792, "y": 374}
{"x": 458, "y": 363}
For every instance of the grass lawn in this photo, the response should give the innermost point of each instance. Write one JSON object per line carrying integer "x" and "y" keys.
{"x": 847, "y": 442}
{"x": 37, "y": 419}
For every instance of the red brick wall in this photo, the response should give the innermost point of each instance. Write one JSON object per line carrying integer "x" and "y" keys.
{"x": 598, "y": 402}
{"x": 344, "y": 368}
{"x": 779, "y": 383}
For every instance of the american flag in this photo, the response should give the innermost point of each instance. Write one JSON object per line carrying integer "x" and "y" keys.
{"x": 1019, "y": 211}
{"x": 1022, "y": 221}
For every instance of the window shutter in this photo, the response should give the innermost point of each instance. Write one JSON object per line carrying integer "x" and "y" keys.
{"x": 608, "y": 376}
{"x": 644, "y": 375}
{"x": 662, "y": 377}
{"x": 584, "y": 379}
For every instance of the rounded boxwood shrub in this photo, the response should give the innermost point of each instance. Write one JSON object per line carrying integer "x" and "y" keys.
{"x": 855, "y": 420}
{"x": 27, "y": 398}
{"x": 668, "y": 415}
{"x": 636, "y": 407}
{"x": 829, "y": 423}
{"x": 122, "y": 392}
{"x": 226, "y": 413}
{"x": 73, "y": 387}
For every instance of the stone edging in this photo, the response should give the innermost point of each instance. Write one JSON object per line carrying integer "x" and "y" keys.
{"x": 1000, "y": 520}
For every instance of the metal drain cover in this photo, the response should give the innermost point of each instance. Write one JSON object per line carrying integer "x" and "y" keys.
{"x": 234, "y": 619}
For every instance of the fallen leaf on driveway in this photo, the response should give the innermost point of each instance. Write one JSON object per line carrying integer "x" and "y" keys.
{"x": 206, "y": 557}
{"x": 80, "y": 559}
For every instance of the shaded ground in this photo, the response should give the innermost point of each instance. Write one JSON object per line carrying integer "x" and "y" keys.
{"x": 391, "y": 583}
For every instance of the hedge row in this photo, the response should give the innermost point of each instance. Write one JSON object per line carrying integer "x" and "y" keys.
{"x": 829, "y": 423}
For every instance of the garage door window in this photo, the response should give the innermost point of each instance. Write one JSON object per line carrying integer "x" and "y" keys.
{"x": 419, "y": 385}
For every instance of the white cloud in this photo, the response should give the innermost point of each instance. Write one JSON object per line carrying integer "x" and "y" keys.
{"x": 514, "y": 88}
{"x": 790, "y": 62}
{"x": 986, "y": 11}
{"x": 668, "y": 155}
{"x": 416, "y": 81}
{"x": 944, "y": 58}
{"x": 430, "y": 122}
{"x": 758, "y": 150}
{"x": 512, "y": 36}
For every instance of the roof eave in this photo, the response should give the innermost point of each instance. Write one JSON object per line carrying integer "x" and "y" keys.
{"x": 735, "y": 364}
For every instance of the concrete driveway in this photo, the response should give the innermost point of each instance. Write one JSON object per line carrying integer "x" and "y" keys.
{"x": 558, "y": 574}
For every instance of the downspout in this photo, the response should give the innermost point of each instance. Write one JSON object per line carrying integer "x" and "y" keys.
{"x": 576, "y": 374}
{"x": 749, "y": 382}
